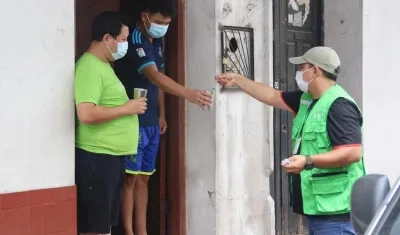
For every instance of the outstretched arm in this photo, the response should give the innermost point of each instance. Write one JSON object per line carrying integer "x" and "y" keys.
{"x": 143, "y": 60}
{"x": 257, "y": 90}
{"x": 165, "y": 83}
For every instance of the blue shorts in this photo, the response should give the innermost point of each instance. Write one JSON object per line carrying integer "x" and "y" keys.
{"x": 144, "y": 162}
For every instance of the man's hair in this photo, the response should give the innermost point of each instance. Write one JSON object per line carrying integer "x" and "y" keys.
{"x": 166, "y": 8}
{"x": 328, "y": 75}
{"x": 108, "y": 22}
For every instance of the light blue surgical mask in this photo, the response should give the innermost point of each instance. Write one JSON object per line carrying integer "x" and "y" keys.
{"x": 156, "y": 30}
{"x": 122, "y": 49}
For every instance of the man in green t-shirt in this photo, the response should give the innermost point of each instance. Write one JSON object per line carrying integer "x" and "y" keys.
{"x": 107, "y": 127}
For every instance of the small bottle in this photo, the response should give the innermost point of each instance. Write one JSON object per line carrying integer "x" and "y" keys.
{"x": 212, "y": 98}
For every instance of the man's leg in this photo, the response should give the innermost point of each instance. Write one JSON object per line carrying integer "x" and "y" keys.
{"x": 347, "y": 227}
{"x": 96, "y": 179}
{"x": 147, "y": 169}
{"x": 120, "y": 179}
{"x": 132, "y": 169}
{"x": 132, "y": 165}
{"x": 323, "y": 226}
{"x": 141, "y": 199}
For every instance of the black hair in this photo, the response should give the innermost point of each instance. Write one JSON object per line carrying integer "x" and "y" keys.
{"x": 166, "y": 8}
{"x": 108, "y": 22}
{"x": 328, "y": 75}
{"x": 331, "y": 76}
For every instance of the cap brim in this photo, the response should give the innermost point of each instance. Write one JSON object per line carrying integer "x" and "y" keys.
{"x": 297, "y": 60}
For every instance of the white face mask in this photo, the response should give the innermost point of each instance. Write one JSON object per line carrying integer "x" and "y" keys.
{"x": 303, "y": 85}
{"x": 122, "y": 49}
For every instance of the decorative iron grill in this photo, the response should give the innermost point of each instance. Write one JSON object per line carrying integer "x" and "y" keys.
{"x": 237, "y": 50}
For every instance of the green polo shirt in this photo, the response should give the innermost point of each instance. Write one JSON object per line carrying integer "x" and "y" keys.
{"x": 95, "y": 82}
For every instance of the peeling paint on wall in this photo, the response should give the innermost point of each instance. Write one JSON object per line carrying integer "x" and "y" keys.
{"x": 226, "y": 10}
{"x": 301, "y": 9}
{"x": 250, "y": 7}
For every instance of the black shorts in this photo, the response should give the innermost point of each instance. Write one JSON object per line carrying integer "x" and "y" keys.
{"x": 99, "y": 180}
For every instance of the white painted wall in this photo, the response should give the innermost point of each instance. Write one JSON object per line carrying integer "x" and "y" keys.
{"x": 36, "y": 98}
{"x": 229, "y": 149}
{"x": 201, "y": 61}
{"x": 381, "y": 50}
{"x": 369, "y": 53}
{"x": 343, "y": 32}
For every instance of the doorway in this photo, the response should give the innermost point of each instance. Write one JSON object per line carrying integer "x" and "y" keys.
{"x": 167, "y": 198}
{"x": 297, "y": 28}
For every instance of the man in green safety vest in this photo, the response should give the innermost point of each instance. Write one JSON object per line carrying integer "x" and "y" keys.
{"x": 326, "y": 137}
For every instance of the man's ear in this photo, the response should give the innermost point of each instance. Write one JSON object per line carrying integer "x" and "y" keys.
{"x": 143, "y": 16}
{"x": 317, "y": 70}
{"x": 107, "y": 39}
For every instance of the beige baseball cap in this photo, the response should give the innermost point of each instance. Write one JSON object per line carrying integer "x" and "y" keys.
{"x": 323, "y": 57}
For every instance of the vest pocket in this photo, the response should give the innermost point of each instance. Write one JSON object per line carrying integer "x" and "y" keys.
{"x": 316, "y": 133}
{"x": 321, "y": 135}
{"x": 308, "y": 133}
{"x": 330, "y": 192}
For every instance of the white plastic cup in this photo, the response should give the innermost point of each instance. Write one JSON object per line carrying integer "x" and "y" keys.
{"x": 139, "y": 93}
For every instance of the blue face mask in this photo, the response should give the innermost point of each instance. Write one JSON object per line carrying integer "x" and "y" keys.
{"x": 156, "y": 30}
{"x": 121, "y": 50}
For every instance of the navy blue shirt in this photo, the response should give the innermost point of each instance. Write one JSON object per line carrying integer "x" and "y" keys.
{"x": 141, "y": 53}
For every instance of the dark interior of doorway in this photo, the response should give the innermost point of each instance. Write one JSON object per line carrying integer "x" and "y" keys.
{"x": 164, "y": 216}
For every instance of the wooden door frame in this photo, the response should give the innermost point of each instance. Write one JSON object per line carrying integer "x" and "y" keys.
{"x": 176, "y": 135}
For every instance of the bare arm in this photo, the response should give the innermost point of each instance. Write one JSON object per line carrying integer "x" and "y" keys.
{"x": 339, "y": 157}
{"x": 161, "y": 97}
{"x": 165, "y": 83}
{"x": 344, "y": 130}
{"x": 161, "y": 103}
{"x": 261, "y": 92}
{"x": 90, "y": 113}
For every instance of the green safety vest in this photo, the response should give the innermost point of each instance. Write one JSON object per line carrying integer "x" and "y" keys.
{"x": 326, "y": 191}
